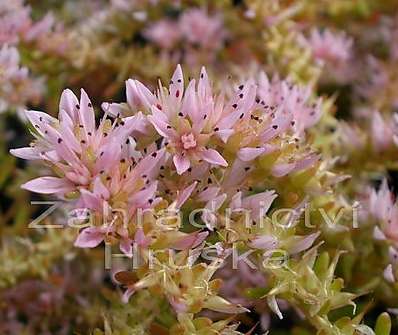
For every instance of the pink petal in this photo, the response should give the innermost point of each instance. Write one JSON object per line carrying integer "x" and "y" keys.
{"x": 86, "y": 112}
{"x": 237, "y": 173}
{"x": 25, "y": 153}
{"x": 181, "y": 163}
{"x": 306, "y": 162}
{"x": 177, "y": 84}
{"x": 40, "y": 120}
{"x": 89, "y": 237}
{"x": 100, "y": 189}
{"x": 146, "y": 165}
{"x": 163, "y": 128}
{"x": 248, "y": 154}
{"x": 204, "y": 88}
{"x": 90, "y": 200}
{"x": 185, "y": 194}
{"x": 224, "y": 134}
{"x": 130, "y": 124}
{"x": 178, "y": 305}
{"x": 264, "y": 242}
{"x": 138, "y": 95}
{"x": 213, "y": 157}
{"x": 388, "y": 274}
{"x": 141, "y": 239}
{"x": 48, "y": 185}
{"x": 113, "y": 109}
{"x": 279, "y": 125}
{"x": 68, "y": 103}
{"x": 303, "y": 243}
{"x": 65, "y": 120}
{"x": 127, "y": 294}
{"x": 236, "y": 201}
{"x": 378, "y": 234}
{"x": 259, "y": 203}
{"x": 126, "y": 247}
{"x": 190, "y": 241}
{"x": 70, "y": 140}
{"x": 143, "y": 197}
{"x": 208, "y": 194}
{"x": 190, "y": 104}
{"x": 280, "y": 170}
{"x": 108, "y": 157}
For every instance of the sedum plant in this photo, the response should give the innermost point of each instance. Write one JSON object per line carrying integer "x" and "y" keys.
{"x": 249, "y": 190}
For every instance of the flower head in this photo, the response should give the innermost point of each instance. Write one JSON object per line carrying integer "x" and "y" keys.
{"x": 199, "y": 28}
{"x": 192, "y": 121}
{"x": 329, "y": 47}
{"x": 17, "y": 86}
{"x": 164, "y": 33}
{"x": 384, "y": 208}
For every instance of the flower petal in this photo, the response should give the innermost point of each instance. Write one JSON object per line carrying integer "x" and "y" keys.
{"x": 69, "y": 103}
{"x": 213, "y": 157}
{"x": 48, "y": 185}
{"x": 185, "y": 194}
{"x": 139, "y": 95}
{"x": 25, "y": 153}
{"x": 89, "y": 237}
{"x": 181, "y": 163}
{"x": 86, "y": 112}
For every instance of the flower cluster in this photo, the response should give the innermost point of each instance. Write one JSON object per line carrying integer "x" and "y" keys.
{"x": 188, "y": 144}
{"x": 17, "y": 87}
{"x": 258, "y": 184}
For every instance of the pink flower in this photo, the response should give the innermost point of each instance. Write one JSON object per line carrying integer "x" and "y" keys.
{"x": 193, "y": 120}
{"x": 201, "y": 29}
{"x": 77, "y": 150}
{"x": 383, "y": 207}
{"x": 17, "y": 88}
{"x": 329, "y": 47}
{"x": 14, "y": 19}
{"x": 281, "y": 111}
{"x": 164, "y": 33}
{"x": 280, "y": 97}
{"x": 382, "y": 132}
{"x": 351, "y": 136}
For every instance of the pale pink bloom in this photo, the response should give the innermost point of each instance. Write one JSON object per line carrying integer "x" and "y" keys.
{"x": 191, "y": 120}
{"x": 14, "y": 20}
{"x": 77, "y": 149}
{"x": 96, "y": 165}
{"x": 383, "y": 207}
{"x": 382, "y": 132}
{"x": 126, "y": 183}
{"x": 281, "y": 109}
{"x": 199, "y": 28}
{"x": 16, "y": 86}
{"x": 351, "y": 136}
{"x": 137, "y": 201}
{"x": 16, "y": 23}
{"x": 390, "y": 273}
{"x": 164, "y": 33}
{"x": 40, "y": 28}
{"x": 331, "y": 48}
{"x": 293, "y": 102}
{"x": 376, "y": 78}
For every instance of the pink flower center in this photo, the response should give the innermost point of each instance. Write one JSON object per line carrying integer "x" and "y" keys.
{"x": 188, "y": 141}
